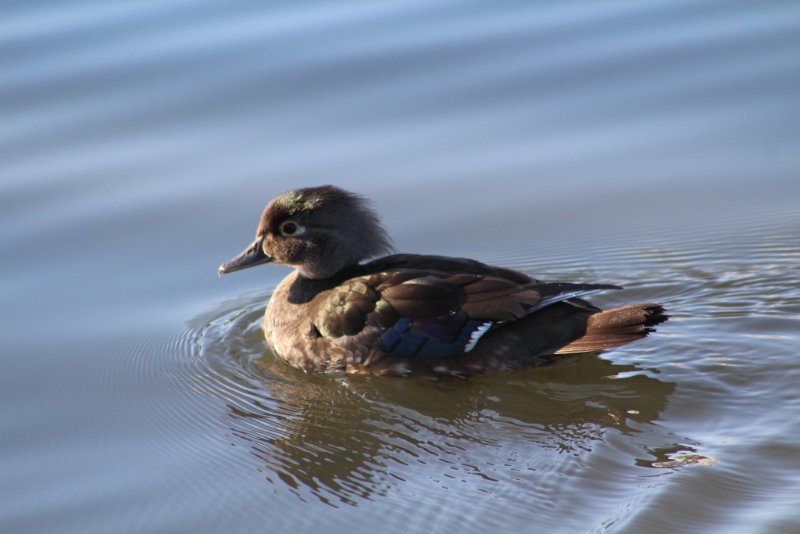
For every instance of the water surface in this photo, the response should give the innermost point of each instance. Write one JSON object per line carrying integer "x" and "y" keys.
{"x": 652, "y": 145}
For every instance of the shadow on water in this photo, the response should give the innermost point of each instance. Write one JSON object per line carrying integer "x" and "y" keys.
{"x": 343, "y": 439}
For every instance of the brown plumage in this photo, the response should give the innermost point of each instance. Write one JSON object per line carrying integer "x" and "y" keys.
{"x": 408, "y": 314}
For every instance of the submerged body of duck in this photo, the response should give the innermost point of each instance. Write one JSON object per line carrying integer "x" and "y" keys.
{"x": 409, "y": 314}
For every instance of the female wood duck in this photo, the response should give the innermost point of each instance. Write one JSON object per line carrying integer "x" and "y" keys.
{"x": 410, "y": 314}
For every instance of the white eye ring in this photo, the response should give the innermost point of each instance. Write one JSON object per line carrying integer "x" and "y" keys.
{"x": 291, "y": 228}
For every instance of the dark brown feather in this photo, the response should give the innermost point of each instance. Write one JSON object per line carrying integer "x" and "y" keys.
{"x": 615, "y": 327}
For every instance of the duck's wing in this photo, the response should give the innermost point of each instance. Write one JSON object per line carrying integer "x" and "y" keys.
{"x": 443, "y": 264}
{"x": 433, "y": 314}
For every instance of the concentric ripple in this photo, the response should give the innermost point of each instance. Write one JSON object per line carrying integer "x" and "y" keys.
{"x": 342, "y": 440}
{"x": 532, "y": 436}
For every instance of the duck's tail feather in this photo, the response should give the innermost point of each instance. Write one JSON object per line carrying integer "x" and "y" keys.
{"x": 617, "y": 326}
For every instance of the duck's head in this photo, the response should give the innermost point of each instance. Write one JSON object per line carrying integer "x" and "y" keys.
{"x": 317, "y": 230}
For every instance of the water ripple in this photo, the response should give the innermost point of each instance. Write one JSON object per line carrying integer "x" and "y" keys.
{"x": 545, "y": 434}
{"x": 342, "y": 440}
{"x": 647, "y": 144}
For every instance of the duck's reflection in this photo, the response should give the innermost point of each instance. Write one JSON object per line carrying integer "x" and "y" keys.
{"x": 342, "y": 440}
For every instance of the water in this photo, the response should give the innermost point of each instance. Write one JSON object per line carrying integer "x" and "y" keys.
{"x": 651, "y": 145}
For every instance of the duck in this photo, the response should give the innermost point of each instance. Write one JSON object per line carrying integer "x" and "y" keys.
{"x": 352, "y": 305}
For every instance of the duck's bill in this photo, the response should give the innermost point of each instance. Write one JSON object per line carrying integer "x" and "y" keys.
{"x": 251, "y": 256}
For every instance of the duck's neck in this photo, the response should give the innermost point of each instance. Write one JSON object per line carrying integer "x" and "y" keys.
{"x": 302, "y": 289}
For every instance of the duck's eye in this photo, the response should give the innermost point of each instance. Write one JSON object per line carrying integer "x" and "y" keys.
{"x": 291, "y": 228}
